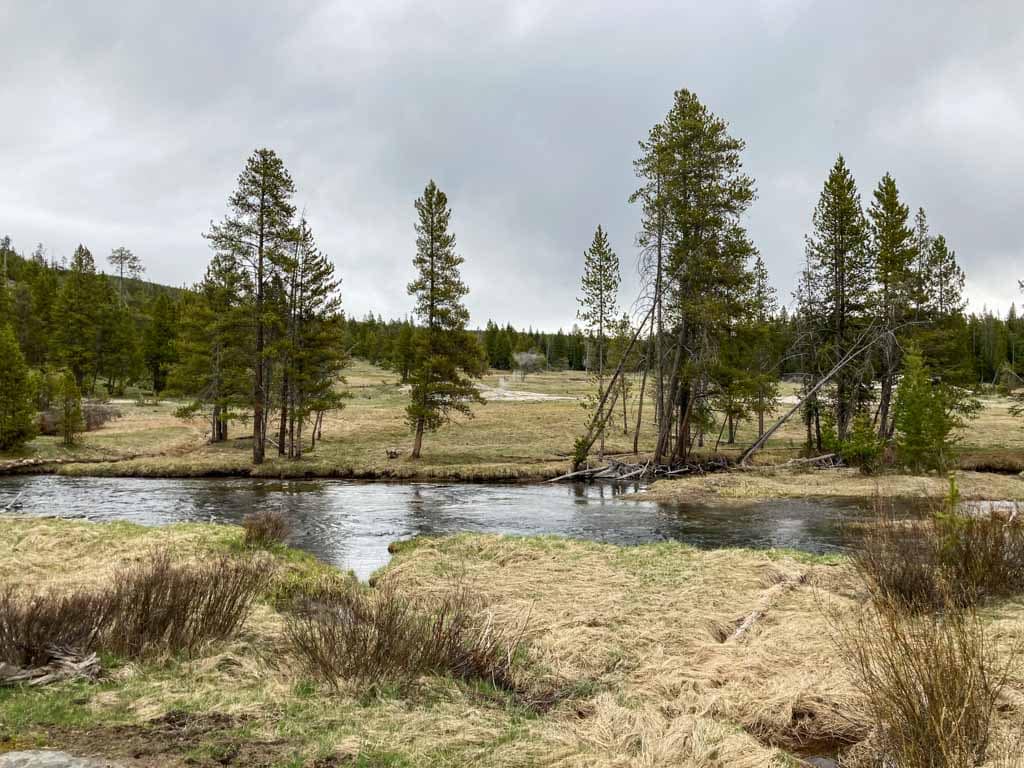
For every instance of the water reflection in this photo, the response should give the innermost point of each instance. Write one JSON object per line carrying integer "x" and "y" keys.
{"x": 350, "y": 524}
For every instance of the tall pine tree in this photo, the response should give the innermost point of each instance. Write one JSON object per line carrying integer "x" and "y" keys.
{"x": 895, "y": 255}
{"x": 256, "y": 232}
{"x": 77, "y": 309}
{"x": 598, "y": 306}
{"x": 448, "y": 358}
{"x": 836, "y": 289}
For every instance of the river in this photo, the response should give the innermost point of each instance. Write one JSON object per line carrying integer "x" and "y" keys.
{"x": 350, "y": 524}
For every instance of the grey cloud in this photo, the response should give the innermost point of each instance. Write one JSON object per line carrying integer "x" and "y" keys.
{"x": 128, "y": 123}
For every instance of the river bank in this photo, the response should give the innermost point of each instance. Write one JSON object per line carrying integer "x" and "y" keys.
{"x": 780, "y": 483}
{"x": 640, "y": 640}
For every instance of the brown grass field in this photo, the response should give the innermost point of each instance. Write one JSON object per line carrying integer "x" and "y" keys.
{"x": 524, "y": 432}
{"x": 632, "y": 637}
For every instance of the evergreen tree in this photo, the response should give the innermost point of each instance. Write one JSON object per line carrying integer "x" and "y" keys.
{"x": 894, "y": 255}
{"x": 946, "y": 280}
{"x": 311, "y": 354}
{"x": 698, "y": 195}
{"x": 76, "y": 307}
{"x": 17, "y": 408}
{"x": 598, "y": 305}
{"x": 762, "y": 352}
{"x": 213, "y": 347}
{"x": 32, "y": 310}
{"x": 69, "y": 399}
{"x": 158, "y": 341}
{"x": 448, "y": 358}
{"x": 928, "y": 413}
{"x": 256, "y": 233}
{"x": 836, "y": 292}
{"x": 404, "y": 351}
{"x": 126, "y": 263}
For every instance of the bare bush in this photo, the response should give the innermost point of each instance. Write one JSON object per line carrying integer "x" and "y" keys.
{"x": 147, "y": 609}
{"x": 923, "y": 563}
{"x": 930, "y": 682}
{"x": 32, "y": 625}
{"x": 163, "y": 606}
{"x": 265, "y": 529}
{"x": 381, "y": 635}
{"x": 94, "y": 416}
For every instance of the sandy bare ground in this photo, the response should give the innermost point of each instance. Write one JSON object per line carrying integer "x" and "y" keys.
{"x": 500, "y": 394}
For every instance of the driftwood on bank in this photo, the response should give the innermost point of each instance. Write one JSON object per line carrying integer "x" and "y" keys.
{"x": 618, "y": 471}
{"x": 63, "y": 664}
{"x": 768, "y": 599}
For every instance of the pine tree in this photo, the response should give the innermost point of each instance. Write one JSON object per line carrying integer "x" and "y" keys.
{"x": 762, "y": 374}
{"x": 256, "y": 232}
{"x": 695, "y": 195}
{"x": 598, "y": 305}
{"x": 928, "y": 413}
{"x": 311, "y": 354}
{"x": 921, "y": 269}
{"x": 69, "y": 399}
{"x": 213, "y": 347}
{"x": 76, "y": 307}
{"x": 448, "y": 358}
{"x": 126, "y": 263}
{"x": 158, "y": 340}
{"x": 404, "y": 351}
{"x": 17, "y": 409}
{"x": 946, "y": 280}
{"x": 894, "y": 255}
{"x": 837, "y": 287}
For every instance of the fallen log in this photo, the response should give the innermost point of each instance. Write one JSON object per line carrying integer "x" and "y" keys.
{"x": 746, "y": 623}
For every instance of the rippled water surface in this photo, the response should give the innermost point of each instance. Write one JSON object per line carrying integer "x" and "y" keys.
{"x": 350, "y": 524}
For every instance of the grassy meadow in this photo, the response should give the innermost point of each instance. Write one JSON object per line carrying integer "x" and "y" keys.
{"x": 524, "y": 432}
{"x": 637, "y": 641}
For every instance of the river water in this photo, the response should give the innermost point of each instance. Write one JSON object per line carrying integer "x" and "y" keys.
{"x": 350, "y": 524}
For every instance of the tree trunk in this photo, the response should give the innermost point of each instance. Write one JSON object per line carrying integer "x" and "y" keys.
{"x": 640, "y": 407}
{"x": 418, "y": 442}
{"x": 283, "y": 430}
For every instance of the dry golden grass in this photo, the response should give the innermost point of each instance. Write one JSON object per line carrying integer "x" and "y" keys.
{"x": 768, "y": 483}
{"x": 634, "y": 635}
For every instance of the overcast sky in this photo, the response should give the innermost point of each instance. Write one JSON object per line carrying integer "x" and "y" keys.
{"x": 128, "y": 123}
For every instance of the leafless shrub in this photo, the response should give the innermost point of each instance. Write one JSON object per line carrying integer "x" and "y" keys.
{"x": 163, "y": 606}
{"x": 30, "y": 625}
{"x": 94, "y": 416}
{"x": 925, "y": 562}
{"x": 147, "y": 609}
{"x": 381, "y": 635}
{"x": 265, "y": 529}
{"x": 930, "y": 681}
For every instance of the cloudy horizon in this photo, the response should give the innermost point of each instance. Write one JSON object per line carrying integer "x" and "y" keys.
{"x": 127, "y": 125}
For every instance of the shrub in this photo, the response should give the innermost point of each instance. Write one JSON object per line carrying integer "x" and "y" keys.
{"x": 379, "y": 635}
{"x": 927, "y": 413}
{"x": 163, "y": 606}
{"x": 147, "y": 609}
{"x": 32, "y": 625}
{"x": 924, "y": 562}
{"x": 930, "y": 682}
{"x": 862, "y": 448}
{"x": 266, "y": 529}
